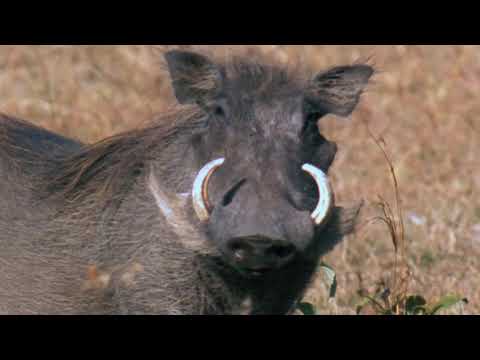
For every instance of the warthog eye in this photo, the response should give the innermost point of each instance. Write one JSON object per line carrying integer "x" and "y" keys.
{"x": 218, "y": 111}
{"x": 218, "y": 107}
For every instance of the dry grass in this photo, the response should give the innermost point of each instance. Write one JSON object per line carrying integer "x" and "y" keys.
{"x": 422, "y": 109}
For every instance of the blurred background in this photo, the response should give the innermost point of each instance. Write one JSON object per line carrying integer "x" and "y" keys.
{"x": 422, "y": 107}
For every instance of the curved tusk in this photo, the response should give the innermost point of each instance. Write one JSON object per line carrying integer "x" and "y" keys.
{"x": 201, "y": 204}
{"x": 325, "y": 202}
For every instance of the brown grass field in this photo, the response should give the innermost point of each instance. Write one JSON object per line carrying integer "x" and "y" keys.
{"x": 422, "y": 108}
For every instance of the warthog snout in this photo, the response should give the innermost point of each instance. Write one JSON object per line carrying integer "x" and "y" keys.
{"x": 256, "y": 228}
{"x": 257, "y": 256}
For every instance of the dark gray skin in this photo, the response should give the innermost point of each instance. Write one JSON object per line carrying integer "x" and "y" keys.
{"x": 102, "y": 229}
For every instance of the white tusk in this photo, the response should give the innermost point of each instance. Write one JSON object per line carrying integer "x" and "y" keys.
{"x": 325, "y": 202}
{"x": 201, "y": 204}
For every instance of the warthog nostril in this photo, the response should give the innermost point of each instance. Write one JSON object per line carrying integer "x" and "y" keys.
{"x": 281, "y": 252}
{"x": 260, "y": 254}
{"x": 240, "y": 250}
{"x": 240, "y": 254}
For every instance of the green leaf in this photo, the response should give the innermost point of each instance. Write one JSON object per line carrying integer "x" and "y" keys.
{"x": 446, "y": 303}
{"x": 307, "y": 309}
{"x": 364, "y": 302}
{"x": 330, "y": 278}
{"x": 379, "y": 309}
{"x": 415, "y": 305}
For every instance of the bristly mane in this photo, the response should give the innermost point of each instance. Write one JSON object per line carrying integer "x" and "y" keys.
{"x": 111, "y": 166}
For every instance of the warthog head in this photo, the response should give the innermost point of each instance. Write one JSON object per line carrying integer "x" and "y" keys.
{"x": 262, "y": 191}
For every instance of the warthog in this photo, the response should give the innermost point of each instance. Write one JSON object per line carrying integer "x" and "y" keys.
{"x": 220, "y": 206}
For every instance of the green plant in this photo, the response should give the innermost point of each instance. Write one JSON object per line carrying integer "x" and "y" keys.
{"x": 409, "y": 305}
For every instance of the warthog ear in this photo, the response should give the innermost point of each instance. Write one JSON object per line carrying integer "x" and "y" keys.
{"x": 338, "y": 90}
{"x": 195, "y": 79}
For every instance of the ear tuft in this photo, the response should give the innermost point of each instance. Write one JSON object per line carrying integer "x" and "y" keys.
{"x": 195, "y": 78}
{"x": 338, "y": 90}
